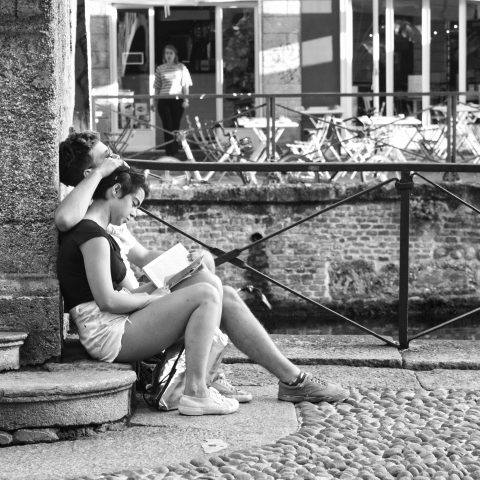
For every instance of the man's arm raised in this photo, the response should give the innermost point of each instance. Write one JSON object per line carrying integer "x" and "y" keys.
{"x": 74, "y": 206}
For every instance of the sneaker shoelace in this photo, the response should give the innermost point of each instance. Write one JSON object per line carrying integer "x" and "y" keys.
{"x": 216, "y": 396}
{"x": 318, "y": 380}
{"x": 225, "y": 383}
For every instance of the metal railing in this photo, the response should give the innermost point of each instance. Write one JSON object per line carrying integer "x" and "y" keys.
{"x": 442, "y": 132}
{"x": 404, "y": 184}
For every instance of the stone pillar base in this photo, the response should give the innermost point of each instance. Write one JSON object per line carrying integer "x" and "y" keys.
{"x": 10, "y": 343}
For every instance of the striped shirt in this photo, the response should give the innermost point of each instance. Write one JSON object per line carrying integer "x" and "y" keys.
{"x": 171, "y": 79}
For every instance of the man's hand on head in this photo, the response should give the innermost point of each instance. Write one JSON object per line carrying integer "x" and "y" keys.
{"x": 110, "y": 164}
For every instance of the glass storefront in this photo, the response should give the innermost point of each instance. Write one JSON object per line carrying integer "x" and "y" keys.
{"x": 192, "y": 31}
{"x": 133, "y": 71}
{"x": 238, "y": 48}
{"x": 444, "y": 49}
{"x": 386, "y": 45}
{"x": 207, "y": 37}
{"x": 473, "y": 50}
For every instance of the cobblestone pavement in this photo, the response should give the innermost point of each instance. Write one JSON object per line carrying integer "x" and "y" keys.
{"x": 385, "y": 434}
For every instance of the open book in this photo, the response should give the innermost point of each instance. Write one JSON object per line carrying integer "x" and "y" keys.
{"x": 171, "y": 267}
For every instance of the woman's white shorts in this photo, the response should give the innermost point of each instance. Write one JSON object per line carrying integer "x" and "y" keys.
{"x": 100, "y": 332}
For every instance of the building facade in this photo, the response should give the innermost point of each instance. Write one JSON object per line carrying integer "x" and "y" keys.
{"x": 281, "y": 47}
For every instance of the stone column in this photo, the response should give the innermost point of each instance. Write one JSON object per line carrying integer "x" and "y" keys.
{"x": 36, "y": 107}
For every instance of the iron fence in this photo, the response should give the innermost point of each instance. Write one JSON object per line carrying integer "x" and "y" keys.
{"x": 404, "y": 182}
{"x": 444, "y": 131}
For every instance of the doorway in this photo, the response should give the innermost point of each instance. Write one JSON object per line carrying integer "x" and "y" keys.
{"x": 132, "y": 70}
{"x": 216, "y": 43}
{"x": 192, "y": 31}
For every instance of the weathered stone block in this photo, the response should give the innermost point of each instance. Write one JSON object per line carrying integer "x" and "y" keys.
{"x": 25, "y": 285}
{"x": 357, "y": 350}
{"x": 5, "y": 439}
{"x": 35, "y": 435}
{"x": 31, "y": 8}
{"x": 437, "y": 354}
{"x": 64, "y": 398}
{"x": 39, "y": 317}
{"x": 28, "y": 248}
{"x": 10, "y": 343}
{"x": 37, "y": 86}
{"x": 7, "y": 7}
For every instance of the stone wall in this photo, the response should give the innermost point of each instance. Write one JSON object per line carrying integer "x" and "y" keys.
{"x": 346, "y": 258}
{"x": 36, "y": 85}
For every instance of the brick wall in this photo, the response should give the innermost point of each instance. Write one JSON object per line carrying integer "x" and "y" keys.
{"x": 346, "y": 258}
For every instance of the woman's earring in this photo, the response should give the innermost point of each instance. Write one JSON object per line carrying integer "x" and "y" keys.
{"x": 116, "y": 190}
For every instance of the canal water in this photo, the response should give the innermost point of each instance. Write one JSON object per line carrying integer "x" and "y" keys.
{"x": 465, "y": 329}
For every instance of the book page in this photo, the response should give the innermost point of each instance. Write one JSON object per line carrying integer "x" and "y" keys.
{"x": 186, "y": 272}
{"x": 167, "y": 264}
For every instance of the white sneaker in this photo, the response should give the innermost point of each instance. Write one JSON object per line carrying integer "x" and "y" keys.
{"x": 214, "y": 404}
{"x": 226, "y": 389}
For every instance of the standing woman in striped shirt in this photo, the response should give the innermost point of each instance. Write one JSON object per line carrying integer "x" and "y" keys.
{"x": 171, "y": 78}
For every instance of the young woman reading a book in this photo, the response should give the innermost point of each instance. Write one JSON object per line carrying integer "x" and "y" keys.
{"x": 118, "y": 325}
{"x": 243, "y": 329}
{"x": 82, "y": 166}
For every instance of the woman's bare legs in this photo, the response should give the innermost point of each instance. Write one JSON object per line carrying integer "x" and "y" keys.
{"x": 245, "y": 331}
{"x": 202, "y": 276}
{"x": 193, "y": 312}
{"x": 249, "y": 336}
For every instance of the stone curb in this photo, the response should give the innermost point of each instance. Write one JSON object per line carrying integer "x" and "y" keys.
{"x": 65, "y": 396}
{"x": 10, "y": 343}
{"x": 443, "y": 354}
{"x": 368, "y": 351}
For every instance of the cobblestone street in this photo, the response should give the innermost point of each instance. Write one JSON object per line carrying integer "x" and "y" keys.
{"x": 388, "y": 434}
{"x": 412, "y": 414}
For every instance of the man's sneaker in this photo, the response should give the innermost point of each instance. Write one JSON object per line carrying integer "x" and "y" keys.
{"x": 312, "y": 389}
{"x": 226, "y": 389}
{"x": 214, "y": 404}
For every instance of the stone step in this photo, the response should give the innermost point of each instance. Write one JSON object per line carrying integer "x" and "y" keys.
{"x": 10, "y": 343}
{"x": 351, "y": 350}
{"x": 368, "y": 351}
{"x": 58, "y": 395}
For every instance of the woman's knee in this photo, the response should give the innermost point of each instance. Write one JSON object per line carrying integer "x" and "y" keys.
{"x": 206, "y": 292}
{"x": 211, "y": 279}
{"x": 230, "y": 296}
{"x": 217, "y": 283}
{"x": 208, "y": 261}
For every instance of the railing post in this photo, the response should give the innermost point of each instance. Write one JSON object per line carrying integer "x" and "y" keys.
{"x": 453, "y": 119}
{"x": 272, "y": 112}
{"x": 404, "y": 186}
{"x": 92, "y": 113}
{"x": 451, "y": 137}
{"x": 449, "y": 128}
{"x": 269, "y": 116}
